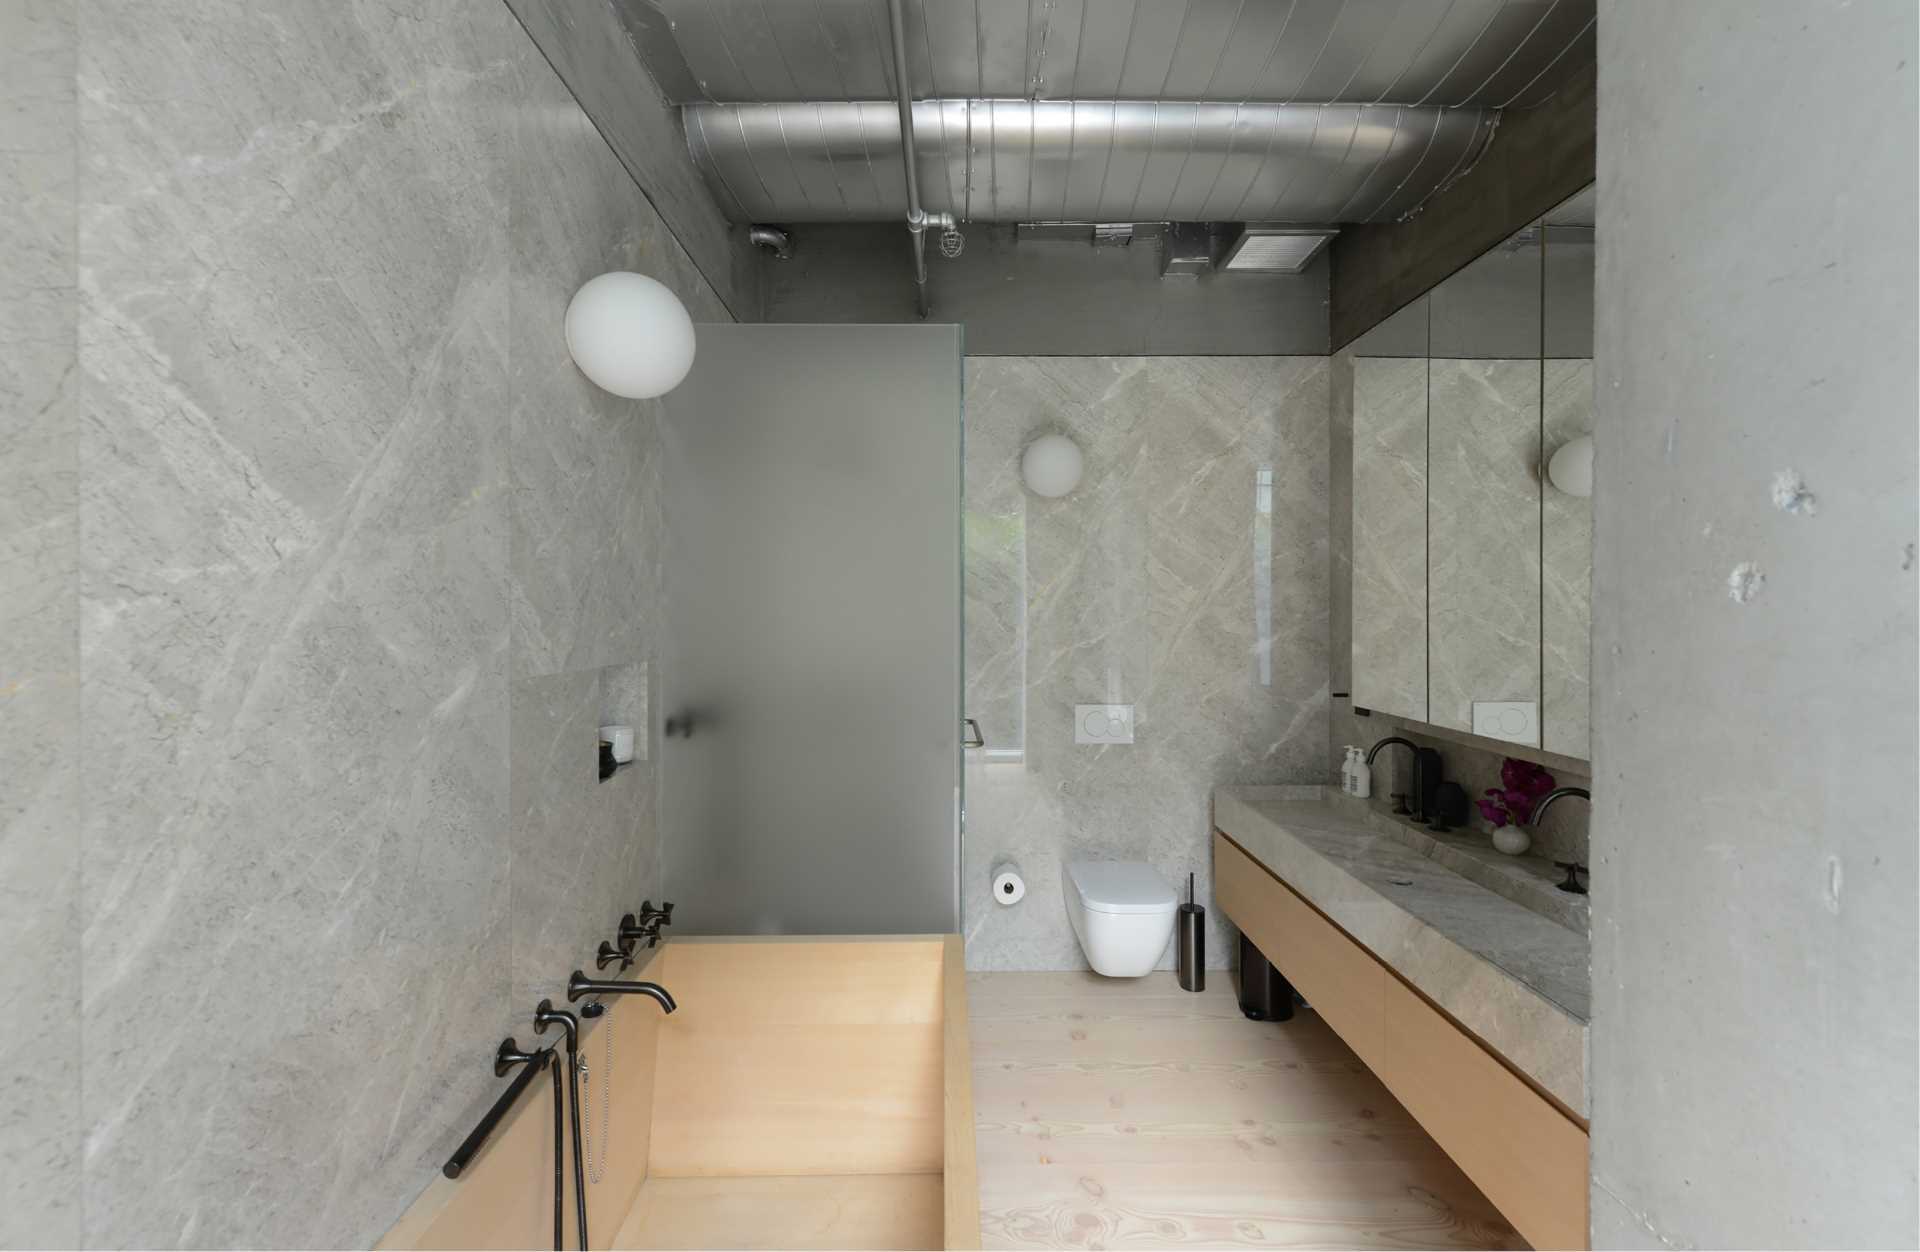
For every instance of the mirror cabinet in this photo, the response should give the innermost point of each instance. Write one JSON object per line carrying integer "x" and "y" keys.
{"x": 1472, "y": 543}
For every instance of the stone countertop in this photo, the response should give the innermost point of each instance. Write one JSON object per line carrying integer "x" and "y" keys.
{"x": 1528, "y": 880}
{"x": 1514, "y": 978}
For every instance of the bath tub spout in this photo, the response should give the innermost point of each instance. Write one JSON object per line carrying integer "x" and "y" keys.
{"x": 581, "y": 985}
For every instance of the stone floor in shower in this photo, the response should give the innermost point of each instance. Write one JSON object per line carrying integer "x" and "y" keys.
{"x": 1134, "y": 1114}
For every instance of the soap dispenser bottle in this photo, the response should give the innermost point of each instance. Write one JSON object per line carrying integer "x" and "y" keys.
{"x": 1346, "y": 771}
{"x": 1362, "y": 775}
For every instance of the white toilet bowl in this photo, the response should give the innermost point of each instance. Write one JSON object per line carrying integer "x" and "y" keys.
{"x": 1122, "y": 912}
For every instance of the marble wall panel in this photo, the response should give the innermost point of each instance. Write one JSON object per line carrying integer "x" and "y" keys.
{"x": 1483, "y": 536}
{"x": 588, "y": 546}
{"x": 1343, "y": 726}
{"x": 1340, "y": 520}
{"x": 294, "y": 632}
{"x": 40, "y": 766}
{"x": 1389, "y": 535}
{"x": 1141, "y": 587}
{"x": 591, "y": 45}
{"x": 361, "y": 557}
{"x": 1566, "y": 562}
{"x": 586, "y": 498}
{"x": 584, "y": 850}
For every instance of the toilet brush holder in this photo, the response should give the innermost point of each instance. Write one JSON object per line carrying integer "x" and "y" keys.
{"x": 1192, "y": 937}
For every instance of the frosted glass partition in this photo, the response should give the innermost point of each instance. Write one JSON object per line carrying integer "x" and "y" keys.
{"x": 813, "y": 576}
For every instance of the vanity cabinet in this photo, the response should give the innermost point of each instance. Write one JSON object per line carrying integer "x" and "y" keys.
{"x": 1470, "y": 568}
{"x": 1520, "y": 1148}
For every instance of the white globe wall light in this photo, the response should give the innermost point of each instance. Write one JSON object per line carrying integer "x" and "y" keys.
{"x": 1051, "y": 466}
{"x": 1571, "y": 469}
{"x": 630, "y": 335}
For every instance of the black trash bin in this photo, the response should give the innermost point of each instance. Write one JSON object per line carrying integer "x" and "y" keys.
{"x": 1264, "y": 995}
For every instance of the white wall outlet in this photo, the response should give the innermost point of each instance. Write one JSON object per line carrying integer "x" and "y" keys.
{"x": 1516, "y": 721}
{"x": 1103, "y": 723}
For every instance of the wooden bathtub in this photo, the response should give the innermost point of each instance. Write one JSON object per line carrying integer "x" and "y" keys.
{"x": 809, "y": 1093}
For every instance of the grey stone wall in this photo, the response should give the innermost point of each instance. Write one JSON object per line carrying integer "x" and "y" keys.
{"x": 1754, "y": 869}
{"x": 1142, "y": 587}
{"x": 361, "y": 562}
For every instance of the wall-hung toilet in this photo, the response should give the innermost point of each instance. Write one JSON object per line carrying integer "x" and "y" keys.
{"x": 1122, "y": 912}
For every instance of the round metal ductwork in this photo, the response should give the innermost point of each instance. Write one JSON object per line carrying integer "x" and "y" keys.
{"x": 1065, "y": 160}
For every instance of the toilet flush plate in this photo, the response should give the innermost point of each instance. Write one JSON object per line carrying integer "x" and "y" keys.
{"x": 1516, "y": 721}
{"x": 1103, "y": 723}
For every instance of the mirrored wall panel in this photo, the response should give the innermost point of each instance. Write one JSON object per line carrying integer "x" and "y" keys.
{"x": 1566, "y": 520}
{"x": 1483, "y": 495}
{"x": 1472, "y": 472}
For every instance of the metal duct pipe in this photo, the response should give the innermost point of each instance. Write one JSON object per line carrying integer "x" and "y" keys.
{"x": 773, "y": 240}
{"x": 1066, "y": 160}
{"x": 916, "y": 217}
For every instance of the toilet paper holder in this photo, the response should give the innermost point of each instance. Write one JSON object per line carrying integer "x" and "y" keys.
{"x": 1009, "y": 888}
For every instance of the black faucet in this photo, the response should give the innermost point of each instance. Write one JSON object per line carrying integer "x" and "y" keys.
{"x": 646, "y": 926}
{"x": 544, "y": 1016}
{"x": 1400, "y": 809}
{"x": 1572, "y": 886}
{"x": 1540, "y": 809}
{"x": 581, "y": 985}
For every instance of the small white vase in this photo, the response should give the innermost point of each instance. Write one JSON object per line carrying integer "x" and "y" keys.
{"x": 1512, "y": 840}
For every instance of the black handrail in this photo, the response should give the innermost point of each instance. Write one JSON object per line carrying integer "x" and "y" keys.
{"x": 463, "y": 1155}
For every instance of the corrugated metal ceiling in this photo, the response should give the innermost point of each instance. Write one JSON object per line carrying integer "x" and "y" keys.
{"x": 1445, "y": 53}
{"x": 1309, "y": 111}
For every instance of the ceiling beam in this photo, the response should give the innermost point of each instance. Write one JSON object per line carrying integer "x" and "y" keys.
{"x": 1538, "y": 158}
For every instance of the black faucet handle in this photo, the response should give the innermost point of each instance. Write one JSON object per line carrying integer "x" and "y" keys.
{"x": 1573, "y": 885}
{"x": 510, "y": 1054}
{"x": 608, "y": 954}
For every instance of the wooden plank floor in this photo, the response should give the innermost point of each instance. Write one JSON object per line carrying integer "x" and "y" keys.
{"x": 1132, "y": 1114}
{"x": 841, "y": 1211}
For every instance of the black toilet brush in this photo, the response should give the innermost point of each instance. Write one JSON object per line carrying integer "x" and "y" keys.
{"x": 1193, "y": 943}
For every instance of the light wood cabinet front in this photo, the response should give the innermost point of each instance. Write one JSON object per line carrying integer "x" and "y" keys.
{"x": 1526, "y": 1154}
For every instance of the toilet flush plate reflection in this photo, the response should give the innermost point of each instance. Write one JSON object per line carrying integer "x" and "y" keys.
{"x": 1103, "y": 723}
{"x": 1517, "y": 721}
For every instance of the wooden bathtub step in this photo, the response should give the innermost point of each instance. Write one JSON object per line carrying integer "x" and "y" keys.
{"x": 851, "y": 1211}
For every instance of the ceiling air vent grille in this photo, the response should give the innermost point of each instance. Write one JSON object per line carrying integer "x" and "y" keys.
{"x": 1274, "y": 249}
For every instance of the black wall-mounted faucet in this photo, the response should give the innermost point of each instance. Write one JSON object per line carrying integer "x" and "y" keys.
{"x": 646, "y": 926}
{"x": 581, "y": 985}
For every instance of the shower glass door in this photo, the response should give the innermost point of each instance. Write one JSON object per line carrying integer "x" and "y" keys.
{"x": 812, "y": 476}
